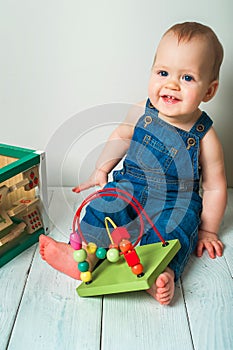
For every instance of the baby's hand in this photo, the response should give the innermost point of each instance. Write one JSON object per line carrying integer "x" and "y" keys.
{"x": 98, "y": 178}
{"x": 210, "y": 242}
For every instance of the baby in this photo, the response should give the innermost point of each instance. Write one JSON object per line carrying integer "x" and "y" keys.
{"x": 169, "y": 145}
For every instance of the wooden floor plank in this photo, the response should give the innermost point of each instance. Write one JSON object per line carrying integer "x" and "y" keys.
{"x": 208, "y": 293}
{"x": 51, "y": 315}
{"x": 136, "y": 321}
{"x": 13, "y": 277}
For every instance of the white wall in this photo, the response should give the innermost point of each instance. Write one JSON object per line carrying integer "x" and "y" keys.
{"x": 70, "y": 68}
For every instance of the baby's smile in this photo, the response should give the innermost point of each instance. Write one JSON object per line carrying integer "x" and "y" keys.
{"x": 170, "y": 99}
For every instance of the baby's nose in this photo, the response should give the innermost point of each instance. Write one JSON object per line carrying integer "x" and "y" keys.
{"x": 173, "y": 84}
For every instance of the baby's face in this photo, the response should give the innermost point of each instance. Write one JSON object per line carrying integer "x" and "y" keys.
{"x": 181, "y": 76}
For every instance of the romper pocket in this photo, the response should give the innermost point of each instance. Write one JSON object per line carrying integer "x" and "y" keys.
{"x": 154, "y": 156}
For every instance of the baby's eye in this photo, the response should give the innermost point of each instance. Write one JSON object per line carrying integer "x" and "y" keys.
{"x": 187, "y": 77}
{"x": 163, "y": 73}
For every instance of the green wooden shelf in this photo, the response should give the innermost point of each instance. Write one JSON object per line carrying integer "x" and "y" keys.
{"x": 26, "y": 158}
{"x": 10, "y": 250}
{"x": 22, "y": 160}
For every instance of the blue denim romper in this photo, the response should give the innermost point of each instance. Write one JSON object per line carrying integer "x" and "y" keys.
{"x": 162, "y": 171}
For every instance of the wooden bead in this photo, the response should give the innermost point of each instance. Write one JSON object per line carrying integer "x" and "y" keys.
{"x": 125, "y": 245}
{"x": 75, "y": 241}
{"x": 83, "y": 266}
{"x": 80, "y": 255}
{"x": 101, "y": 253}
{"x": 91, "y": 248}
{"x": 132, "y": 258}
{"x": 86, "y": 276}
{"x": 137, "y": 269}
{"x": 113, "y": 255}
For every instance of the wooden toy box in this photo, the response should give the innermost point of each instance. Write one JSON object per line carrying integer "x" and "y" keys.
{"x": 23, "y": 200}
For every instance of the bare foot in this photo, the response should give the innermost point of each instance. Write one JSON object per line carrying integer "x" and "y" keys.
{"x": 164, "y": 287}
{"x": 59, "y": 255}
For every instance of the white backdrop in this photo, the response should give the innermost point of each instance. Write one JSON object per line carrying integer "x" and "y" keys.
{"x": 69, "y": 69}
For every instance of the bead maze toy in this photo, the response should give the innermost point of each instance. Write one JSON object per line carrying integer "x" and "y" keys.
{"x": 23, "y": 200}
{"x": 126, "y": 267}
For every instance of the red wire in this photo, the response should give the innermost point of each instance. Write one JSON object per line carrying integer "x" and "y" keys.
{"x": 135, "y": 204}
{"x": 99, "y": 195}
{"x": 141, "y": 208}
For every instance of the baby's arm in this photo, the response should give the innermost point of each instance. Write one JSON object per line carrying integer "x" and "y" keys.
{"x": 214, "y": 195}
{"x": 114, "y": 149}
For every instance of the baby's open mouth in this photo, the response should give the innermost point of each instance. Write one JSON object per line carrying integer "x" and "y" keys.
{"x": 170, "y": 99}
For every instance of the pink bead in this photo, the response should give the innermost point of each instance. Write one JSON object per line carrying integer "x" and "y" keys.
{"x": 75, "y": 241}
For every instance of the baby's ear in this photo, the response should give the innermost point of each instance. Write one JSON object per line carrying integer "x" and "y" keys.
{"x": 211, "y": 91}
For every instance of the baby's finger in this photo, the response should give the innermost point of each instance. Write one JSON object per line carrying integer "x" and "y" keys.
{"x": 82, "y": 187}
{"x": 76, "y": 189}
{"x": 221, "y": 244}
{"x": 200, "y": 248}
{"x": 210, "y": 249}
{"x": 218, "y": 246}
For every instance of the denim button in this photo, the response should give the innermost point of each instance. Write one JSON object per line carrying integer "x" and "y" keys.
{"x": 150, "y": 105}
{"x": 147, "y": 120}
{"x": 191, "y": 142}
{"x": 200, "y": 127}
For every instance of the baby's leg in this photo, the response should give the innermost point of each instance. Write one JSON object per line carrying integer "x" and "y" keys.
{"x": 164, "y": 287}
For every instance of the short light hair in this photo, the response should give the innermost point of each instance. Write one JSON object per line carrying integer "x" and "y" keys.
{"x": 188, "y": 30}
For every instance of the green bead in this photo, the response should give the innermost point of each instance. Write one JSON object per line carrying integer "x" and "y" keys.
{"x": 83, "y": 266}
{"x": 101, "y": 253}
{"x": 80, "y": 255}
{"x": 113, "y": 255}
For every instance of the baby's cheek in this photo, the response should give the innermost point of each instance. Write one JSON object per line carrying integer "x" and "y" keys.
{"x": 193, "y": 99}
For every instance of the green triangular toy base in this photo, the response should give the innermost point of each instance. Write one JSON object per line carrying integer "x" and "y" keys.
{"x": 111, "y": 278}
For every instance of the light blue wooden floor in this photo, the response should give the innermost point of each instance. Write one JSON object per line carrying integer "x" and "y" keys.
{"x": 39, "y": 307}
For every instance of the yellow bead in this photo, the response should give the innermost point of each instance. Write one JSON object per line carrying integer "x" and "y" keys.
{"x": 91, "y": 248}
{"x": 86, "y": 276}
